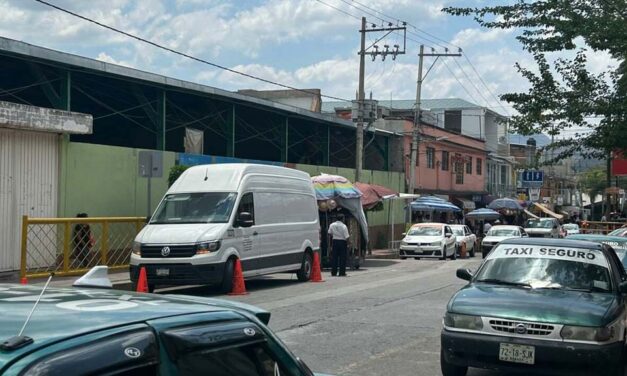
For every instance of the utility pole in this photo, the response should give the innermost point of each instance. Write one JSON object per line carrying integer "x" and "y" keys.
{"x": 416, "y": 127}
{"x": 365, "y": 111}
{"x": 361, "y": 95}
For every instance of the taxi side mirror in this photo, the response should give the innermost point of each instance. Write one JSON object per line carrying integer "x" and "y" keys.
{"x": 464, "y": 274}
{"x": 622, "y": 287}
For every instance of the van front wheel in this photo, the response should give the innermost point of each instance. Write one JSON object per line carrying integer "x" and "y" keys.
{"x": 227, "y": 278}
{"x": 304, "y": 273}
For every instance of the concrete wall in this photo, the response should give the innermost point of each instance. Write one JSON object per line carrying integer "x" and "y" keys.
{"x": 103, "y": 181}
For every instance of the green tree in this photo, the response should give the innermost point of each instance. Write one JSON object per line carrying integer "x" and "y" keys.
{"x": 563, "y": 94}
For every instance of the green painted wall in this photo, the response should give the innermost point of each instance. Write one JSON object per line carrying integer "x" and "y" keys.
{"x": 103, "y": 181}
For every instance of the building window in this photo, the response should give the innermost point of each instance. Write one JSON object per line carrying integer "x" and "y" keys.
{"x": 445, "y": 161}
{"x": 453, "y": 121}
{"x": 503, "y": 175}
{"x": 430, "y": 158}
{"x": 479, "y": 166}
{"x": 469, "y": 166}
{"x": 459, "y": 169}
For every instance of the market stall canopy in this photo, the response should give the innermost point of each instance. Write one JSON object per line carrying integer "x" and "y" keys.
{"x": 485, "y": 214}
{"x": 431, "y": 203}
{"x": 530, "y": 214}
{"x": 465, "y": 203}
{"x": 547, "y": 211}
{"x": 372, "y": 194}
{"x": 344, "y": 194}
{"x": 333, "y": 186}
{"x": 505, "y": 203}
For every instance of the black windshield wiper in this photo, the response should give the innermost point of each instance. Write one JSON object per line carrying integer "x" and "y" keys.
{"x": 502, "y": 282}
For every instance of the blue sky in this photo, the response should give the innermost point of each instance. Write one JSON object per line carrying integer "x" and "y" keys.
{"x": 302, "y": 43}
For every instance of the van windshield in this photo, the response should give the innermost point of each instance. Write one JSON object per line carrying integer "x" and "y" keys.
{"x": 203, "y": 207}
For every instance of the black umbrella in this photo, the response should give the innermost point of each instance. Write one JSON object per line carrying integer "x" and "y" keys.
{"x": 505, "y": 203}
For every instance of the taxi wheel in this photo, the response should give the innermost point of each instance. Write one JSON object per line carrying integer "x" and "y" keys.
{"x": 449, "y": 369}
{"x": 472, "y": 250}
{"x": 304, "y": 273}
{"x": 454, "y": 255}
{"x": 443, "y": 258}
{"x": 151, "y": 287}
{"x": 227, "y": 278}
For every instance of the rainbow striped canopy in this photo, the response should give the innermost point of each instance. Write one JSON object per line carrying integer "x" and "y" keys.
{"x": 332, "y": 186}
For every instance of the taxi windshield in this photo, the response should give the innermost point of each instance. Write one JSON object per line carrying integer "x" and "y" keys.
{"x": 548, "y": 268}
{"x": 537, "y": 223}
{"x": 459, "y": 231}
{"x": 202, "y": 207}
{"x": 425, "y": 231}
{"x": 503, "y": 232}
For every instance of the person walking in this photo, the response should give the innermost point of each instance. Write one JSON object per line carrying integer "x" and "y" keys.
{"x": 339, "y": 235}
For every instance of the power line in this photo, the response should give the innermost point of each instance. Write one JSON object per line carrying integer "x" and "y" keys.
{"x": 154, "y": 44}
{"x": 458, "y": 81}
{"x": 338, "y": 9}
{"x": 473, "y": 84}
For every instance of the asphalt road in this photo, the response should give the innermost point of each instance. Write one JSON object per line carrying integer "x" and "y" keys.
{"x": 384, "y": 319}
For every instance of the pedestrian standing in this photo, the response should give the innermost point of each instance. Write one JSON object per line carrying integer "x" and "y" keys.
{"x": 339, "y": 235}
{"x": 486, "y": 227}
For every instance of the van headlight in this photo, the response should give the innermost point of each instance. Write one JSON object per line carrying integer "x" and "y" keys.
{"x": 137, "y": 248}
{"x": 454, "y": 320}
{"x": 593, "y": 334}
{"x": 207, "y": 247}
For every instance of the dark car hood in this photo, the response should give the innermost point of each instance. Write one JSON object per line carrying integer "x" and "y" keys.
{"x": 542, "y": 305}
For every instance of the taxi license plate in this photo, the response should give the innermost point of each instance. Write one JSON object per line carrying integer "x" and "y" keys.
{"x": 517, "y": 353}
{"x": 163, "y": 272}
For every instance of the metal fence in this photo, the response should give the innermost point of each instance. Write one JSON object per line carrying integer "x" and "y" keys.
{"x": 601, "y": 228}
{"x": 70, "y": 246}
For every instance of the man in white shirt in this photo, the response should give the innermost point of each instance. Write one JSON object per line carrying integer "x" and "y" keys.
{"x": 339, "y": 235}
{"x": 486, "y": 227}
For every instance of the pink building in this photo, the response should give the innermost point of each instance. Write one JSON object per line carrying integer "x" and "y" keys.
{"x": 448, "y": 164}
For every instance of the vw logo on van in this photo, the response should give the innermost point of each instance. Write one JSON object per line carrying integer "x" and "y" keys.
{"x": 165, "y": 251}
{"x": 132, "y": 352}
{"x": 521, "y": 329}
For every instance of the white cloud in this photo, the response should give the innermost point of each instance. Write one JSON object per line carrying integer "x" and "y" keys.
{"x": 473, "y": 36}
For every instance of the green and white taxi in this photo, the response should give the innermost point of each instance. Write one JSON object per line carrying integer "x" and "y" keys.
{"x": 539, "y": 306}
{"x": 93, "y": 331}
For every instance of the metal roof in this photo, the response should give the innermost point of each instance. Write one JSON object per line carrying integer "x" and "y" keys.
{"x": 408, "y": 104}
{"x": 12, "y": 47}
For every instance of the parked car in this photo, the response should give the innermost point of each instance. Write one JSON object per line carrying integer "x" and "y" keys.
{"x": 428, "y": 240}
{"x": 571, "y": 228}
{"x": 618, "y": 243}
{"x": 463, "y": 235}
{"x": 542, "y": 227}
{"x": 539, "y": 306}
{"x": 266, "y": 216}
{"x": 93, "y": 331}
{"x": 498, "y": 233}
{"x": 619, "y": 232}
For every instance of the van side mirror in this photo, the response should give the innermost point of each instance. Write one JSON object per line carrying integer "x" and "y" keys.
{"x": 244, "y": 219}
{"x": 449, "y": 234}
{"x": 464, "y": 274}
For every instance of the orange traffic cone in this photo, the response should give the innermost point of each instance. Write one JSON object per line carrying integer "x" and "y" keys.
{"x": 316, "y": 274}
{"x": 24, "y": 281}
{"x": 239, "y": 287}
{"x": 142, "y": 282}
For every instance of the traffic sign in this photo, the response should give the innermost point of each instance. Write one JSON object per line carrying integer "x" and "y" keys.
{"x": 532, "y": 178}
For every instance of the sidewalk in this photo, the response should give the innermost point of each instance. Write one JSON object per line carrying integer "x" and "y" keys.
{"x": 383, "y": 254}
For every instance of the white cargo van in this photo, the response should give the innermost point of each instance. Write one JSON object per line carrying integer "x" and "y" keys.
{"x": 266, "y": 216}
